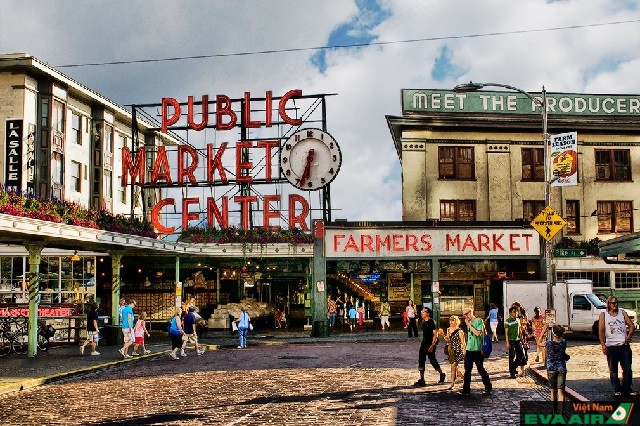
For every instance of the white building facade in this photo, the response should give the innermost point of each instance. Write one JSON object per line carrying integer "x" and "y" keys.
{"x": 479, "y": 157}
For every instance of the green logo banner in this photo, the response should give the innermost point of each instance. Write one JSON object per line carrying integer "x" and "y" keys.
{"x": 505, "y": 102}
{"x": 579, "y": 413}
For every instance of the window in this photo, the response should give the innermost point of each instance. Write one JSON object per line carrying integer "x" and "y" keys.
{"x": 76, "y": 129}
{"x": 108, "y": 184}
{"x": 57, "y": 116}
{"x": 627, "y": 280}
{"x": 121, "y": 140}
{"x": 44, "y": 114}
{"x": 56, "y": 168}
{"x": 75, "y": 173}
{"x": 456, "y": 163}
{"x": 581, "y": 303}
{"x": 572, "y": 217}
{"x": 122, "y": 190}
{"x": 615, "y": 216}
{"x": 533, "y": 164}
{"x": 460, "y": 210}
{"x": 531, "y": 209}
{"x": 613, "y": 164}
{"x": 599, "y": 278}
{"x": 108, "y": 138}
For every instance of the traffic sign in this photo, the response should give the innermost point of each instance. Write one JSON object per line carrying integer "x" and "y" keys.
{"x": 569, "y": 253}
{"x": 548, "y": 223}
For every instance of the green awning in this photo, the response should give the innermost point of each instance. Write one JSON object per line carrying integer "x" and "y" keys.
{"x": 624, "y": 249}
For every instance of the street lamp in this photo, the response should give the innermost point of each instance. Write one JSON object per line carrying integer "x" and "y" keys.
{"x": 541, "y": 103}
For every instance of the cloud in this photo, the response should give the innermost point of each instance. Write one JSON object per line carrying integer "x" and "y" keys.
{"x": 367, "y": 80}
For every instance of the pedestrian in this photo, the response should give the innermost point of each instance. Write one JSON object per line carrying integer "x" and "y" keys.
{"x": 385, "y": 312}
{"x": 190, "y": 332}
{"x": 139, "y": 331}
{"x": 475, "y": 338}
{"x": 339, "y": 312}
{"x": 428, "y": 347}
{"x": 556, "y": 364}
{"x": 522, "y": 312}
{"x": 512, "y": 331}
{"x": 524, "y": 338}
{"x": 537, "y": 325}
{"x": 493, "y": 321}
{"x": 615, "y": 330}
{"x": 279, "y": 318}
{"x": 92, "y": 330}
{"x": 352, "y": 317}
{"x": 457, "y": 347}
{"x": 127, "y": 328}
{"x": 361, "y": 314}
{"x": 244, "y": 323}
{"x": 175, "y": 333}
{"x": 412, "y": 325}
{"x": 123, "y": 303}
{"x": 332, "y": 309}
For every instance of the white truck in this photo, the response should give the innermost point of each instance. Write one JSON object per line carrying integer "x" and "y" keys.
{"x": 577, "y": 307}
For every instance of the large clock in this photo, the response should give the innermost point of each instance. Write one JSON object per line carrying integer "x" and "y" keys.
{"x": 310, "y": 159}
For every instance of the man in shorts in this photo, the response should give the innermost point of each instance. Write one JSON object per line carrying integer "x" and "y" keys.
{"x": 92, "y": 330}
{"x": 190, "y": 335}
{"x": 127, "y": 328}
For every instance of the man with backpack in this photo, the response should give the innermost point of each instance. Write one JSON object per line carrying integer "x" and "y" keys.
{"x": 473, "y": 355}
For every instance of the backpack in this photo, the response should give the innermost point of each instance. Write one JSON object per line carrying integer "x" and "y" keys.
{"x": 487, "y": 346}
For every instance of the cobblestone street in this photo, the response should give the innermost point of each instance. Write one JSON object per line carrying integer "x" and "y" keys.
{"x": 312, "y": 384}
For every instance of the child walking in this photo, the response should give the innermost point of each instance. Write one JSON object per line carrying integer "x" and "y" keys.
{"x": 556, "y": 351}
{"x": 139, "y": 331}
{"x": 352, "y": 317}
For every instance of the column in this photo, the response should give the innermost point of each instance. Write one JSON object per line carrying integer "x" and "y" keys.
{"x": 116, "y": 258}
{"x": 435, "y": 290}
{"x": 35, "y": 250}
{"x": 319, "y": 290}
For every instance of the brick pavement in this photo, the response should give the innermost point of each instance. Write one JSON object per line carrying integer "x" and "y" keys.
{"x": 352, "y": 378}
{"x": 326, "y": 383}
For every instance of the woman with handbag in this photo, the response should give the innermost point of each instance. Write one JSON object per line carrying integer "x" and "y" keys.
{"x": 244, "y": 323}
{"x": 455, "y": 348}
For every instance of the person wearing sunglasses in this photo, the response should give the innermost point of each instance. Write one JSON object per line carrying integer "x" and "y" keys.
{"x": 615, "y": 330}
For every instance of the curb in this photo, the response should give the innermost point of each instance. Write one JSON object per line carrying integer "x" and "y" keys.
{"x": 39, "y": 381}
{"x": 538, "y": 373}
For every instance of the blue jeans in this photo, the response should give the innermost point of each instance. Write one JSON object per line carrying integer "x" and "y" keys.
{"x": 470, "y": 358}
{"x": 332, "y": 319}
{"x": 242, "y": 334}
{"x": 622, "y": 355}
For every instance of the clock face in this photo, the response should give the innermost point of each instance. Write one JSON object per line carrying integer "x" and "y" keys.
{"x": 310, "y": 159}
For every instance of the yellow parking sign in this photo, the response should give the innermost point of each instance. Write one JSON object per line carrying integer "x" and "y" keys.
{"x": 548, "y": 223}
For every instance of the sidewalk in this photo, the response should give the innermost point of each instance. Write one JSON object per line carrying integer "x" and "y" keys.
{"x": 588, "y": 372}
{"x": 587, "y": 380}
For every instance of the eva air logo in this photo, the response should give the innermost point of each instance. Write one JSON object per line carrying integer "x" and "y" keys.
{"x": 592, "y": 413}
{"x": 621, "y": 415}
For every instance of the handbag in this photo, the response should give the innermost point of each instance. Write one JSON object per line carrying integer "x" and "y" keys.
{"x": 250, "y": 326}
{"x": 234, "y": 326}
{"x": 487, "y": 346}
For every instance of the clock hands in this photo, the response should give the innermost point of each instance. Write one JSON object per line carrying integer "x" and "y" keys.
{"x": 306, "y": 174}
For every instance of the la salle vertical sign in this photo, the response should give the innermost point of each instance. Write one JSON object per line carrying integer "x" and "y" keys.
{"x": 13, "y": 156}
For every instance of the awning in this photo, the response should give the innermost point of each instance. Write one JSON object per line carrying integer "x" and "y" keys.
{"x": 624, "y": 249}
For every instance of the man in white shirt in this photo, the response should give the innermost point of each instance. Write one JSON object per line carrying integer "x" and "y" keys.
{"x": 615, "y": 330}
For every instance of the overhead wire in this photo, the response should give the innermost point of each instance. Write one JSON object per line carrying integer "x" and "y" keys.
{"x": 348, "y": 45}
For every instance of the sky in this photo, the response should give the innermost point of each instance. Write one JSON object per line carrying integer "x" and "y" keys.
{"x": 568, "y": 46}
